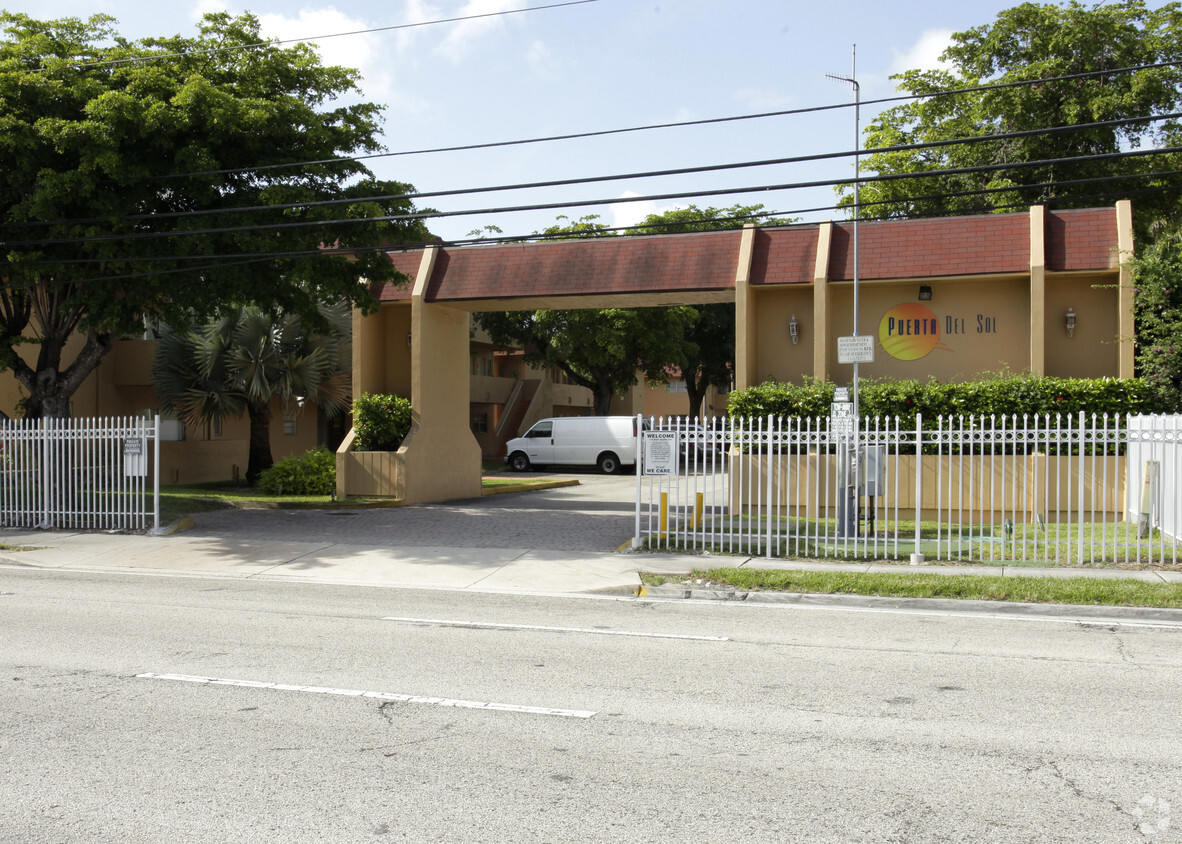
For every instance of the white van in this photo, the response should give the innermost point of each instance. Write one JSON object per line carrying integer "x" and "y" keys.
{"x": 608, "y": 442}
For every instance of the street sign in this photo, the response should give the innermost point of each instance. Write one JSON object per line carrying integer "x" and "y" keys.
{"x": 841, "y": 418}
{"x": 859, "y": 349}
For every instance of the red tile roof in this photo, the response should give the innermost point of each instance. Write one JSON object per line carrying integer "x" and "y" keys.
{"x": 708, "y": 261}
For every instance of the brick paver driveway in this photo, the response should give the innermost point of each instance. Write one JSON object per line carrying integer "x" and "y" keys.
{"x": 596, "y": 515}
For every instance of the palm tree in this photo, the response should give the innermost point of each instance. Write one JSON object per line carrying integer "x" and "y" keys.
{"x": 244, "y": 362}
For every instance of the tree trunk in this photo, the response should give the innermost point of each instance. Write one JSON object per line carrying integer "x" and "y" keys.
{"x": 695, "y": 389}
{"x": 50, "y": 387}
{"x": 603, "y": 399}
{"x": 260, "y": 441}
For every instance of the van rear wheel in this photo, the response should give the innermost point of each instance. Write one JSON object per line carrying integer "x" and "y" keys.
{"x": 518, "y": 462}
{"x": 608, "y": 463}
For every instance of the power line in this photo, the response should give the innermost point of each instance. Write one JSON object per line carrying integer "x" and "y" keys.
{"x": 271, "y": 43}
{"x": 424, "y": 215}
{"x": 542, "y": 236}
{"x": 674, "y": 125}
{"x": 537, "y": 238}
{"x": 680, "y": 171}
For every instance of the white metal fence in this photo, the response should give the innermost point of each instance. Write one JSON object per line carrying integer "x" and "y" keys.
{"x": 1018, "y": 490}
{"x": 80, "y": 474}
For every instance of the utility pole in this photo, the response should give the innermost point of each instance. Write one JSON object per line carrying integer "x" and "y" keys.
{"x": 848, "y": 512}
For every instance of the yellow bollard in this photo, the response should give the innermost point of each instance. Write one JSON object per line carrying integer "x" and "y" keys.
{"x": 696, "y": 521}
{"x": 664, "y": 534}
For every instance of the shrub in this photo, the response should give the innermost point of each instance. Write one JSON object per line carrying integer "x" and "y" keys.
{"x": 381, "y": 421}
{"x": 1001, "y": 396}
{"x": 312, "y": 473}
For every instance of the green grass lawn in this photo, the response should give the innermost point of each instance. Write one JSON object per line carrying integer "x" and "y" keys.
{"x": 1039, "y": 590}
{"x": 1030, "y": 544}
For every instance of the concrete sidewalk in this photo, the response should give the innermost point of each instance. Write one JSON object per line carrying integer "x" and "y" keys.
{"x": 437, "y": 567}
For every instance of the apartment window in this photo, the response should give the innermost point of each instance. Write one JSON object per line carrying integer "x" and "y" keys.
{"x": 479, "y": 423}
{"x": 289, "y": 427}
{"x": 481, "y": 365}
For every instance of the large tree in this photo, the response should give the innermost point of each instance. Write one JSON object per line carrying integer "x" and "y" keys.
{"x": 168, "y": 179}
{"x": 248, "y": 362}
{"x": 1158, "y": 307}
{"x": 1035, "y": 41}
{"x": 604, "y": 350}
{"x": 707, "y": 357}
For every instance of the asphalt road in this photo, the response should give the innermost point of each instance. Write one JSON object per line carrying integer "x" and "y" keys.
{"x": 618, "y": 720}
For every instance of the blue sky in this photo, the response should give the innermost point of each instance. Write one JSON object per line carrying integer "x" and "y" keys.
{"x": 600, "y": 65}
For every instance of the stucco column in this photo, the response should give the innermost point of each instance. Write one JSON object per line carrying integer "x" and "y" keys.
{"x": 1038, "y": 291}
{"x": 1126, "y": 332}
{"x": 746, "y": 327}
{"x": 821, "y": 302}
{"x": 440, "y": 458}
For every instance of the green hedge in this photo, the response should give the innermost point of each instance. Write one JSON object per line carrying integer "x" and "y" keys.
{"x": 313, "y": 473}
{"x": 381, "y": 421}
{"x": 1020, "y": 395}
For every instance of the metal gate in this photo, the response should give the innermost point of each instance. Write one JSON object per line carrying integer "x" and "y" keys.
{"x": 80, "y": 474}
{"x": 1015, "y": 490}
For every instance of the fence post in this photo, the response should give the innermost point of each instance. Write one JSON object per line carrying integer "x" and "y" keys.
{"x": 917, "y": 554}
{"x": 156, "y": 474}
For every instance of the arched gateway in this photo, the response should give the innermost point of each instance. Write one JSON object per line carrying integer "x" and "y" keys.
{"x": 949, "y": 298}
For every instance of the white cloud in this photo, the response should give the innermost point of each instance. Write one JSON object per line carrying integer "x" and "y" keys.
{"x": 461, "y": 36}
{"x": 631, "y": 213}
{"x": 363, "y": 52}
{"x": 924, "y": 54}
{"x": 541, "y": 61}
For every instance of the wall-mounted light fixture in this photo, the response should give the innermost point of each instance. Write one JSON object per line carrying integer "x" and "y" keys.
{"x": 408, "y": 339}
{"x": 925, "y": 293}
{"x": 1069, "y": 321}
{"x": 794, "y": 330}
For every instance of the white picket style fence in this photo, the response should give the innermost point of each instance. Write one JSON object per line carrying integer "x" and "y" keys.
{"x": 80, "y": 474}
{"x": 1016, "y": 490}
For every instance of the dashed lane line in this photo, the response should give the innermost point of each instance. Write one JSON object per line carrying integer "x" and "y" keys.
{"x": 486, "y": 625}
{"x": 324, "y": 690}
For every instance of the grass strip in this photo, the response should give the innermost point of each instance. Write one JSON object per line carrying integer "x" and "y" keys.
{"x": 1086, "y": 591}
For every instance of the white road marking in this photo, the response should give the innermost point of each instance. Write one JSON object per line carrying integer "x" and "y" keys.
{"x": 492, "y": 626}
{"x": 324, "y": 690}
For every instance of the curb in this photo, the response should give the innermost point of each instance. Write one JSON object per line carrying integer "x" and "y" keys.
{"x": 528, "y": 487}
{"x": 1081, "y": 612}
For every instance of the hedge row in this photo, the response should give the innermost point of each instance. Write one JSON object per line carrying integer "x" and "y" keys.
{"x": 1008, "y": 396}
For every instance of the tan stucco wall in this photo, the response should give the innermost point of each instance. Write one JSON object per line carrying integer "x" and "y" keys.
{"x": 121, "y": 386}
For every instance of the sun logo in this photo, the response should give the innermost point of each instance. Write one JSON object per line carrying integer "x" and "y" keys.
{"x": 909, "y": 332}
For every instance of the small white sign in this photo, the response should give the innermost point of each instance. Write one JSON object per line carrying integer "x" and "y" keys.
{"x": 660, "y": 452}
{"x": 859, "y": 349}
{"x": 841, "y": 394}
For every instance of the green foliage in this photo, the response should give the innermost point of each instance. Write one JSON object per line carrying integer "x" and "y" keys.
{"x": 1157, "y": 273}
{"x": 381, "y": 421}
{"x": 243, "y": 362}
{"x": 102, "y": 138}
{"x": 603, "y": 350}
{"x": 312, "y": 473}
{"x": 1003, "y": 396}
{"x": 1027, "y": 42}
{"x": 695, "y": 219}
